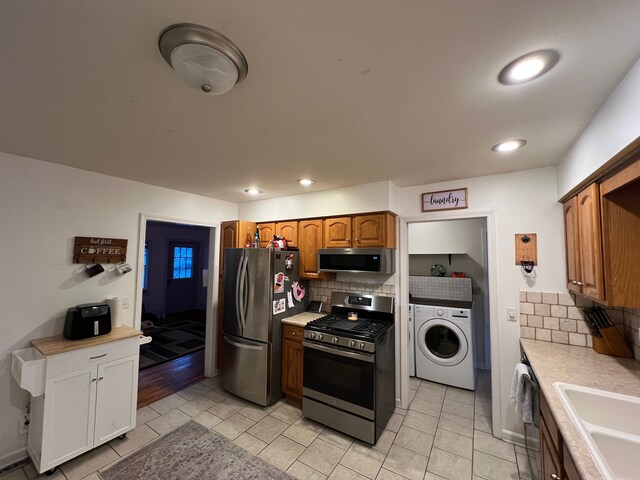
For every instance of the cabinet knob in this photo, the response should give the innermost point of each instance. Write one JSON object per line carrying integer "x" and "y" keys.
{"x": 293, "y": 333}
{"x": 580, "y": 284}
{"x": 93, "y": 379}
{"x": 553, "y": 476}
{"x": 574, "y": 282}
{"x": 101, "y": 378}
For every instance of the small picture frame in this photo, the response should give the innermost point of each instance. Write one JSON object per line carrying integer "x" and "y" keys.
{"x": 445, "y": 200}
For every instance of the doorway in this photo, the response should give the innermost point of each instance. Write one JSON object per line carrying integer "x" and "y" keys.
{"x": 482, "y": 267}
{"x": 174, "y": 306}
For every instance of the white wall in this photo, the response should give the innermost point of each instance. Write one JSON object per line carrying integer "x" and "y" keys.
{"x": 370, "y": 197}
{"x": 523, "y": 202}
{"x": 44, "y": 206}
{"x": 615, "y": 126}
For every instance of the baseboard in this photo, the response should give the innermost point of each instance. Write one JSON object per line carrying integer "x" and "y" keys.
{"x": 8, "y": 459}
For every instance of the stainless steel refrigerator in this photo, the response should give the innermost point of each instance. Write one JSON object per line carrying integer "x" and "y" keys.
{"x": 256, "y": 282}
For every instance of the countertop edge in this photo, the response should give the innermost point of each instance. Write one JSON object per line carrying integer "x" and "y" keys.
{"x": 603, "y": 378}
{"x": 58, "y": 344}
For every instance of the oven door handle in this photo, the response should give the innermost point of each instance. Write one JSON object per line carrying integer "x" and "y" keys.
{"x": 338, "y": 351}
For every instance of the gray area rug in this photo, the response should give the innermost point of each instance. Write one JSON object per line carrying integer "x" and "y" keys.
{"x": 192, "y": 451}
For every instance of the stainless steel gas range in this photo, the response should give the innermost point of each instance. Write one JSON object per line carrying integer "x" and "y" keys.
{"x": 349, "y": 366}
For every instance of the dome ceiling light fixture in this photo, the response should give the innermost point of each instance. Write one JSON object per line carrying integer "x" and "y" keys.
{"x": 253, "y": 191}
{"x": 528, "y": 67}
{"x": 306, "y": 181}
{"x": 509, "y": 145}
{"x": 203, "y": 58}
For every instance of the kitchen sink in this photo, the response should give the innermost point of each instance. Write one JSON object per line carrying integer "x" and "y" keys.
{"x": 610, "y": 425}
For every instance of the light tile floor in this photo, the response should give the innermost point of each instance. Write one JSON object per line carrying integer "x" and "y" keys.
{"x": 445, "y": 434}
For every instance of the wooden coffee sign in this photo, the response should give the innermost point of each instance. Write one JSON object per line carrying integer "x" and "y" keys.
{"x": 99, "y": 250}
{"x": 445, "y": 200}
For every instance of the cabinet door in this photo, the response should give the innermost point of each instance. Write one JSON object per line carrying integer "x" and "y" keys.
{"x": 267, "y": 231}
{"x": 310, "y": 239}
{"x": 368, "y": 231}
{"x": 292, "y": 362}
{"x": 572, "y": 244}
{"x": 551, "y": 464}
{"x": 337, "y": 232}
{"x": 69, "y": 412}
{"x": 590, "y": 242}
{"x": 288, "y": 230}
{"x": 116, "y": 398}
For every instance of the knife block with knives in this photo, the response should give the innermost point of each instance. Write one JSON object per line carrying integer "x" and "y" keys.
{"x": 606, "y": 337}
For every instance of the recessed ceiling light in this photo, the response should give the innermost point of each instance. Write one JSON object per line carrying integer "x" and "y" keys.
{"x": 509, "y": 145}
{"x": 253, "y": 191}
{"x": 529, "y": 66}
{"x": 306, "y": 181}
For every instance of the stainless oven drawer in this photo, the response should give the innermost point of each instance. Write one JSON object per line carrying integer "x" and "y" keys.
{"x": 353, "y": 425}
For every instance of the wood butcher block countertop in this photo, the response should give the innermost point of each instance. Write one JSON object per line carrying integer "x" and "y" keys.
{"x": 301, "y": 319}
{"x": 59, "y": 344}
{"x": 552, "y": 362}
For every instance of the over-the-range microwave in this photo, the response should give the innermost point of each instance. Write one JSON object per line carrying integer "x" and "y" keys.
{"x": 356, "y": 260}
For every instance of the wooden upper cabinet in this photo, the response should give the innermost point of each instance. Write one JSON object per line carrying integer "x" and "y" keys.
{"x": 309, "y": 240}
{"x": 591, "y": 270}
{"x": 377, "y": 230}
{"x": 360, "y": 231}
{"x": 572, "y": 244}
{"x": 267, "y": 231}
{"x": 337, "y": 232}
{"x": 233, "y": 235}
{"x": 288, "y": 230}
{"x": 620, "y": 206}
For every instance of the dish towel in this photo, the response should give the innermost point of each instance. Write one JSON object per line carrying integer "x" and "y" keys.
{"x": 522, "y": 395}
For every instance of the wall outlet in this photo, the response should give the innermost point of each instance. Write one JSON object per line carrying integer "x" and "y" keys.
{"x": 512, "y": 314}
{"x": 23, "y": 426}
{"x": 125, "y": 302}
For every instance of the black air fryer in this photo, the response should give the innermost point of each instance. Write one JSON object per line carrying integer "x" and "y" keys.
{"x": 88, "y": 320}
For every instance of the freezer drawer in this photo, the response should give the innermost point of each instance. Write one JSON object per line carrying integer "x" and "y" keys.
{"x": 246, "y": 369}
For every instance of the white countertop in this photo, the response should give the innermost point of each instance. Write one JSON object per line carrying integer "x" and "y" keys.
{"x": 552, "y": 362}
{"x": 301, "y": 319}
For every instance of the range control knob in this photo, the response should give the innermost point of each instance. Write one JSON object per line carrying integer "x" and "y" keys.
{"x": 335, "y": 340}
{"x": 352, "y": 343}
{"x": 361, "y": 345}
{"x": 440, "y": 313}
{"x": 320, "y": 336}
{"x": 312, "y": 335}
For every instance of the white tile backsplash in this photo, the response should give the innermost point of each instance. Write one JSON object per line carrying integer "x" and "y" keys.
{"x": 441, "y": 288}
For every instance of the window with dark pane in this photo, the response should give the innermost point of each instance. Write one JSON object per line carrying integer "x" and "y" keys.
{"x": 182, "y": 262}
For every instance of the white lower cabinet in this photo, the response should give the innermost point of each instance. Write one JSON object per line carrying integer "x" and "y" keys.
{"x": 90, "y": 398}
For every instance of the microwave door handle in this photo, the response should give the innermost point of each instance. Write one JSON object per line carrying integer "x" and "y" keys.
{"x": 339, "y": 352}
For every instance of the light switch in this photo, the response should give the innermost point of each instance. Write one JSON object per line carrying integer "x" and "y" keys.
{"x": 512, "y": 313}
{"x": 125, "y": 302}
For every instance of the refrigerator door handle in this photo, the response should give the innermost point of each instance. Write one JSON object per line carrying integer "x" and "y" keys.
{"x": 247, "y": 284}
{"x": 238, "y": 292}
{"x": 242, "y": 294}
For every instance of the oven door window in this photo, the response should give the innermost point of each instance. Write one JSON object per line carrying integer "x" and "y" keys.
{"x": 348, "y": 379}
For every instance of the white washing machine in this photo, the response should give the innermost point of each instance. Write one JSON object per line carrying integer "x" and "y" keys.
{"x": 412, "y": 343}
{"x": 444, "y": 345}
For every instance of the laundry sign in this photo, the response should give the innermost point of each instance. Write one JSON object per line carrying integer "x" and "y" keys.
{"x": 445, "y": 200}
{"x": 99, "y": 250}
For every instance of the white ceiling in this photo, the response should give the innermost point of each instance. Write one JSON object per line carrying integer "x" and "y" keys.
{"x": 343, "y": 91}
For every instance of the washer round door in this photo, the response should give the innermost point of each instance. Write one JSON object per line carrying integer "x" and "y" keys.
{"x": 442, "y": 342}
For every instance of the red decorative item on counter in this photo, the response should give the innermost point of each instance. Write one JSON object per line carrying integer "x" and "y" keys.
{"x": 458, "y": 274}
